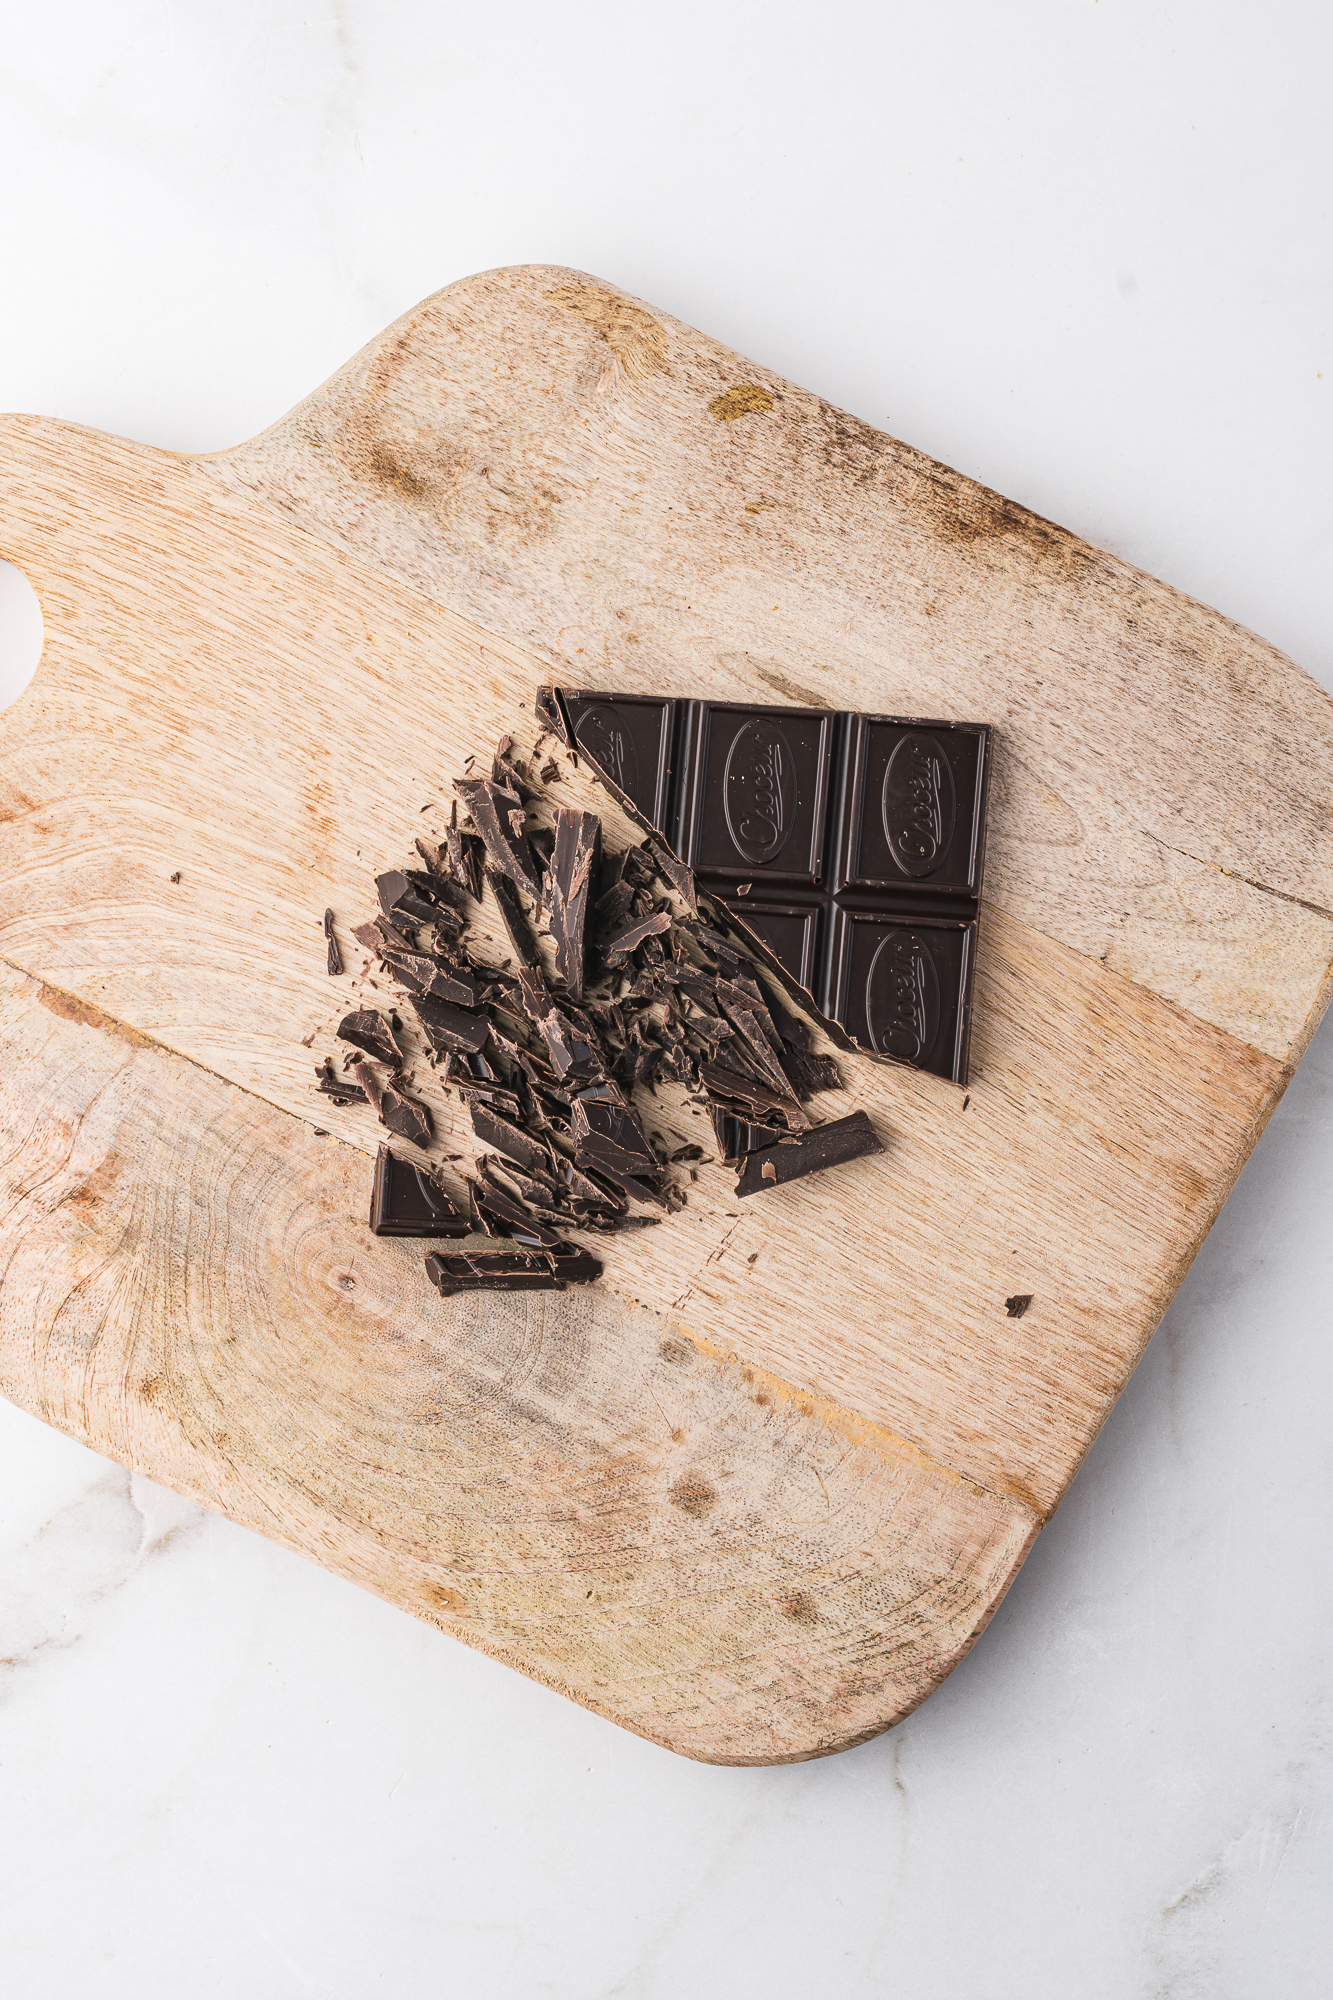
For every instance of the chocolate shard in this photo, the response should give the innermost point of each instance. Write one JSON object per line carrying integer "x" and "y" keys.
{"x": 497, "y": 813}
{"x": 823, "y": 1146}
{"x": 406, "y": 1201}
{"x": 422, "y": 974}
{"x": 617, "y": 947}
{"x": 636, "y": 1189}
{"x": 404, "y": 1117}
{"x": 335, "y": 956}
{"x": 372, "y": 1088}
{"x": 512, "y": 1219}
{"x": 607, "y": 1134}
{"x": 569, "y": 876}
{"x": 370, "y": 1032}
{"x": 515, "y": 920}
{"x": 575, "y": 1057}
{"x": 735, "y": 1089}
{"x": 381, "y": 937}
{"x": 673, "y": 871}
{"x": 808, "y": 1074}
{"x": 490, "y": 1271}
{"x": 495, "y": 1131}
{"x": 737, "y": 1136}
{"x": 450, "y": 1028}
{"x": 399, "y": 897}
{"x": 553, "y": 716}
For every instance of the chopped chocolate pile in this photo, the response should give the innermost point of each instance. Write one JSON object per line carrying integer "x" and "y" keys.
{"x": 622, "y": 978}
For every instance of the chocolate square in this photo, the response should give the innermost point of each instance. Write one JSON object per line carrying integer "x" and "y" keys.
{"x": 900, "y": 985}
{"x": 757, "y": 798}
{"x": 790, "y": 930}
{"x": 916, "y": 801}
{"x": 628, "y": 737}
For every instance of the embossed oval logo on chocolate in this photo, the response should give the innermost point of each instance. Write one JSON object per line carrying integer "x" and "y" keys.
{"x": 759, "y": 790}
{"x": 604, "y": 736}
{"x": 903, "y": 998}
{"x": 918, "y": 804}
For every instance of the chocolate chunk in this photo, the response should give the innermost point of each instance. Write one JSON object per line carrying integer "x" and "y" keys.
{"x": 381, "y": 937}
{"x": 1018, "y": 1305}
{"x": 569, "y": 879}
{"x": 447, "y": 1027}
{"x": 406, "y": 1201}
{"x": 608, "y": 1134}
{"x": 370, "y": 1032}
{"x": 335, "y": 956}
{"x": 823, "y": 1146}
{"x": 515, "y": 921}
{"x": 617, "y": 947}
{"x": 490, "y": 1271}
{"x": 400, "y": 898}
{"x": 903, "y": 988}
{"x": 422, "y": 974}
{"x": 405, "y": 1118}
{"x": 676, "y": 873}
{"x": 755, "y": 796}
{"x": 809, "y": 1074}
{"x": 508, "y": 1139}
{"x": 497, "y": 813}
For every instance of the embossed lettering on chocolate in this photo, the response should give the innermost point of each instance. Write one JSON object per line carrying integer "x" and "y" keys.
{"x": 852, "y": 846}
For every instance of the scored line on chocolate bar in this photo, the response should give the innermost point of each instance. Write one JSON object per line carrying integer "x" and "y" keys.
{"x": 851, "y": 845}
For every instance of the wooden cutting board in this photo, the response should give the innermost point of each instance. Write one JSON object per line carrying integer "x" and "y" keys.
{"x": 758, "y": 1491}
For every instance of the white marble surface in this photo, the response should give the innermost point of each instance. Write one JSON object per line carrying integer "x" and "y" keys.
{"x": 1081, "y": 251}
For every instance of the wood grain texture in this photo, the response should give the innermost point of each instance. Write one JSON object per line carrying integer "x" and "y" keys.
{"x": 260, "y": 668}
{"x": 581, "y": 1489}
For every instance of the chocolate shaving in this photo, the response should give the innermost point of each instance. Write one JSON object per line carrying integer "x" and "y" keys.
{"x": 515, "y": 921}
{"x": 335, "y": 956}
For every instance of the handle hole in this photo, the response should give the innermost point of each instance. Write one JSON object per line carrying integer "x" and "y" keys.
{"x": 21, "y": 633}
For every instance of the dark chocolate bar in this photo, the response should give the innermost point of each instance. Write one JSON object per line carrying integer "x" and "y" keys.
{"x": 851, "y": 846}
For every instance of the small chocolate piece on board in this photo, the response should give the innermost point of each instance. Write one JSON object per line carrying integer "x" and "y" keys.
{"x": 370, "y": 1032}
{"x": 404, "y": 1117}
{"x": 405, "y": 1201}
{"x": 823, "y": 1146}
{"x": 335, "y": 956}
